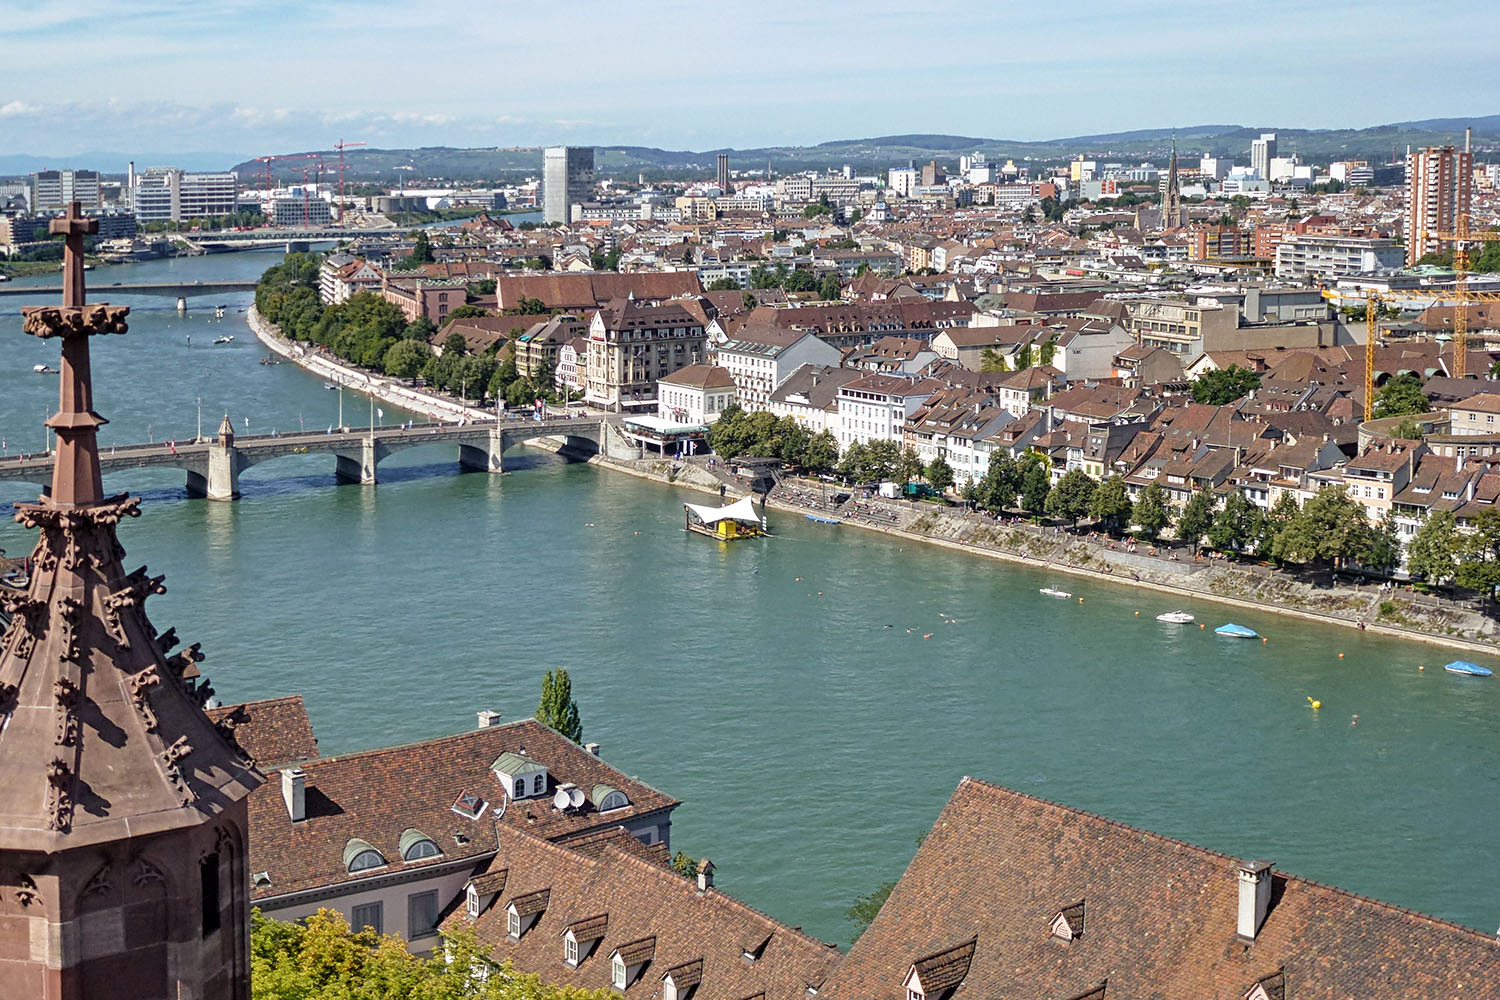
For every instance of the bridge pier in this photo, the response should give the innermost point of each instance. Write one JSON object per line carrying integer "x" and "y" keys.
{"x": 351, "y": 468}
{"x": 181, "y": 304}
{"x": 223, "y": 479}
{"x": 490, "y": 458}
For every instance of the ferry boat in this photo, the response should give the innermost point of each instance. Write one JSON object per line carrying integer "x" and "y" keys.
{"x": 738, "y": 520}
{"x": 1054, "y": 592}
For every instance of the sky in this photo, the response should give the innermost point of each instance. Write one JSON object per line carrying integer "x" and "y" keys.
{"x": 251, "y": 78}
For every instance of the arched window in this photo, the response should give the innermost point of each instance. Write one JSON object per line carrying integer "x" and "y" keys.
{"x": 366, "y": 859}
{"x": 538, "y": 784}
{"x": 416, "y": 845}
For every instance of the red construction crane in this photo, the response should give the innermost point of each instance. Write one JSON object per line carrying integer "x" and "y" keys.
{"x": 341, "y": 145}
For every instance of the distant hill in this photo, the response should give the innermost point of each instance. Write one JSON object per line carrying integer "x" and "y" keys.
{"x": 874, "y": 155}
{"x": 114, "y": 164}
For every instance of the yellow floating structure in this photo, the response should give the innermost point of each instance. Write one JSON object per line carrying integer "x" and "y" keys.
{"x": 738, "y": 520}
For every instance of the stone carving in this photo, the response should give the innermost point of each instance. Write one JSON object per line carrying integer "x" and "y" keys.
{"x": 167, "y": 640}
{"x": 73, "y": 321}
{"x": 146, "y": 873}
{"x": 59, "y": 798}
{"x": 100, "y": 885}
{"x": 178, "y": 663}
{"x": 27, "y": 617}
{"x": 65, "y": 693}
{"x": 8, "y": 694}
{"x": 140, "y": 688}
{"x": 170, "y": 757}
{"x": 71, "y": 611}
{"x": 26, "y": 892}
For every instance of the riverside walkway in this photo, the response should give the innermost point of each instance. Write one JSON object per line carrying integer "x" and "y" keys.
{"x": 213, "y": 465}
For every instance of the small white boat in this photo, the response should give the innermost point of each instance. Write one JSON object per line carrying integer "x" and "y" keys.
{"x": 1054, "y": 592}
{"x": 223, "y": 340}
{"x": 1175, "y": 617}
{"x": 329, "y": 385}
{"x": 43, "y": 369}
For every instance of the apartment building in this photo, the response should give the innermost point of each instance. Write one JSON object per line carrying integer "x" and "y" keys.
{"x": 876, "y": 407}
{"x": 633, "y": 344}
{"x": 166, "y": 194}
{"x": 1439, "y": 188}
{"x": 759, "y": 358}
{"x": 1327, "y": 256}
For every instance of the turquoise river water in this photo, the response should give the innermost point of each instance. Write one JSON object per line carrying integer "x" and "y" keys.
{"x": 786, "y": 689}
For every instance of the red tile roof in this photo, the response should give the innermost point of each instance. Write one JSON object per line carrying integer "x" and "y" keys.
{"x": 274, "y": 732}
{"x": 999, "y": 865}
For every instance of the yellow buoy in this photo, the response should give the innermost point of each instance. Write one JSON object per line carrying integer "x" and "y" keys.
{"x": 1341, "y": 656}
{"x": 1315, "y": 703}
{"x": 1203, "y": 626}
{"x": 1422, "y": 667}
{"x": 1137, "y": 614}
{"x": 1264, "y": 639}
{"x": 1080, "y": 600}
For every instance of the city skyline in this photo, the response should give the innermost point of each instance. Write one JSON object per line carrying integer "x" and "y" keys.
{"x": 175, "y": 81}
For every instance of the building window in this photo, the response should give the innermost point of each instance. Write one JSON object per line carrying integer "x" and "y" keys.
{"x": 365, "y": 860}
{"x": 368, "y": 915}
{"x": 617, "y": 974}
{"x": 421, "y": 849}
{"x": 472, "y": 901}
{"x": 208, "y": 876}
{"x": 513, "y": 924}
{"x": 421, "y": 914}
{"x": 570, "y": 950}
{"x": 915, "y": 995}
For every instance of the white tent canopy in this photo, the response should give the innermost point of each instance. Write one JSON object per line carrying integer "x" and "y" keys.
{"x": 742, "y": 510}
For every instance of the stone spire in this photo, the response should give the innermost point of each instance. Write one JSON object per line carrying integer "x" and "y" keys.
{"x": 115, "y": 782}
{"x": 1171, "y": 202}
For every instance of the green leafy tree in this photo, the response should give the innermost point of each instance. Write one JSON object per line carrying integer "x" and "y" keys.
{"x": 1071, "y": 496}
{"x": 1024, "y": 358}
{"x": 1036, "y": 483}
{"x": 1152, "y": 512}
{"x": 866, "y": 907}
{"x": 1048, "y": 351}
{"x": 684, "y": 865}
{"x": 723, "y": 285}
{"x": 1479, "y": 565}
{"x": 1329, "y": 528}
{"x": 800, "y": 280}
{"x": 747, "y": 299}
{"x": 1224, "y": 385}
{"x": 557, "y": 707}
{"x": 1110, "y": 505}
{"x": 909, "y": 464}
{"x": 1380, "y": 551}
{"x": 420, "y": 328}
{"x": 939, "y": 474}
{"x": 851, "y": 463}
{"x": 1001, "y": 483}
{"x": 468, "y": 312}
{"x": 1433, "y": 552}
{"x": 454, "y": 343}
{"x": 529, "y": 307}
{"x": 1197, "y": 517}
{"x": 421, "y": 251}
{"x": 1238, "y": 524}
{"x": 789, "y": 441}
{"x": 1400, "y": 397}
{"x": 407, "y": 358}
{"x": 990, "y": 360}
{"x": 830, "y": 288}
{"x": 484, "y": 286}
{"x": 822, "y": 453}
{"x": 1407, "y": 430}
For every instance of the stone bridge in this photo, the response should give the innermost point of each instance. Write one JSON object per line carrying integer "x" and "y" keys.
{"x": 213, "y": 467}
{"x": 170, "y": 289}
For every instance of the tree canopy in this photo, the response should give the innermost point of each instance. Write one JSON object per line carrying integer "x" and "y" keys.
{"x": 557, "y": 707}
{"x": 1224, "y": 385}
{"x": 1401, "y": 396}
{"x": 1152, "y": 511}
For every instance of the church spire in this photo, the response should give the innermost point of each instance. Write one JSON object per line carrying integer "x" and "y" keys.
{"x": 1171, "y": 202}
{"x": 120, "y": 797}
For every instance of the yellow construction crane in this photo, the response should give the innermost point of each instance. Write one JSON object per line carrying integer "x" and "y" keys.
{"x": 1460, "y": 238}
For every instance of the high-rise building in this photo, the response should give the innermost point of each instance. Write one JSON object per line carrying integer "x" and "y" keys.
{"x": 1439, "y": 184}
{"x": 54, "y": 190}
{"x": 165, "y": 194}
{"x": 567, "y": 178}
{"x": 123, "y": 814}
{"x": 723, "y": 177}
{"x": 1262, "y": 152}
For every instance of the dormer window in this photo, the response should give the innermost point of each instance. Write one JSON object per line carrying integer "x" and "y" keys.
{"x": 513, "y": 923}
{"x": 570, "y": 949}
{"x": 607, "y": 798}
{"x": 617, "y": 973}
{"x": 359, "y": 856}
{"x": 472, "y": 901}
{"x": 416, "y": 845}
{"x": 1067, "y": 923}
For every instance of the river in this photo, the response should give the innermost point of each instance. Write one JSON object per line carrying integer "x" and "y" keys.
{"x": 813, "y": 698}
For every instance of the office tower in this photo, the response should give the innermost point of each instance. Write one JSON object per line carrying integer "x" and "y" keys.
{"x": 1262, "y": 152}
{"x": 1439, "y": 183}
{"x": 567, "y": 178}
{"x": 723, "y": 177}
{"x": 54, "y": 190}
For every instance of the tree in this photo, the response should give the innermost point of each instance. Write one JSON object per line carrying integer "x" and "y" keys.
{"x": 1479, "y": 567}
{"x": 991, "y": 361}
{"x": 557, "y": 707}
{"x": 830, "y": 288}
{"x": 1110, "y": 505}
{"x": 1071, "y": 496}
{"x": 799, "y": 280}
{"x": 1238, "y": 524}
{"x": 407, "y": 358}
{"x": 1024, "y": 358}
{"x": 1197, "y": 517}
{"x": 1001, "y": 483}
{"x": 747, "y": 299}
{"x": 1400, "y": 397}
{"x": 468, "y": 312}
{"x": 821, "y": 453}
{"x": 1434, "y": 551}
{"x": 1036, "y": 483}
{"x": 684, "y": 865}
{"x": 1407, "y": 430}
{"x": 1152, "y": 512}
{"x": 939, "y": 474}
{"x": 908, "y": 464}
{"x": 1329, "y": 528}
{"x": 1224, "y": 385}
{"x": 866, "y": 907}
{"x": 423, "y": 328}
{"x": 723, "y": 285}
{"x": 421, "y": 251}
{"x": 1380, "y": 552}
{"x": 529, "y": 307}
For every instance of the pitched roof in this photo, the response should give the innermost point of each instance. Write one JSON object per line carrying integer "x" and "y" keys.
{"x": 651, "y": 915}
{"x": 700, "y": 377}
{"x": 377, "y": 795}
{"x": 584, "y": 290}
{"x": 273, "y": 732}
{"x": 1162, "y": 918}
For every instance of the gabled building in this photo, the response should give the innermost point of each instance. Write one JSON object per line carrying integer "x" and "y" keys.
{"x": 810, "y": 394}
{"x": 599, "y": 913}
{"x": 1014, "y": 896}
{"x": 632, "y": 344}
{"x": 876, "y": 407}
{"x": 759, "y": 358}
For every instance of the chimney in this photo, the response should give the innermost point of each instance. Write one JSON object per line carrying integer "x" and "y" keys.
{"x": 1255, "y": 897}
{"x": 705, "y": 875}
{"x": 592, "y": 748}
{"x": 294, "y": 791}
{"x": 487, "y": 718}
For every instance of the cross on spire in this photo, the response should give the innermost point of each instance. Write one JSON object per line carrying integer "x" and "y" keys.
{"x": 75, "y": 472}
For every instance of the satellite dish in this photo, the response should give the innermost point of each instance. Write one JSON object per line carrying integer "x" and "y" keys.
{"x": 560, "y": 799}
{"x": 575, "y": 797}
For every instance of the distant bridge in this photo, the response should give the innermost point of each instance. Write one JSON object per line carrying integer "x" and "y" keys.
{"x": 44, "y": 294}
{"x": 213, "y": 470}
